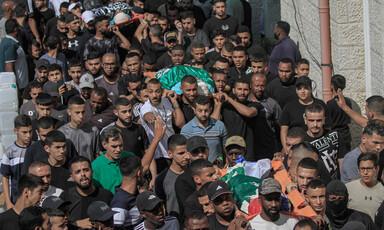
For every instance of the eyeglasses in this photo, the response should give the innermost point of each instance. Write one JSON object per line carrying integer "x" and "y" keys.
{"x": 368, "y": 169}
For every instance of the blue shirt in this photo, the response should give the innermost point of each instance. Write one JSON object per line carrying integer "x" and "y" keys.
{"x": 286, "y": 48}
{"x": 349, "y": 169}
{"x": 215, "y": 134}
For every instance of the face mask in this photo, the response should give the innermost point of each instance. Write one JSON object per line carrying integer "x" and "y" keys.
{"x": 338, "y": 206}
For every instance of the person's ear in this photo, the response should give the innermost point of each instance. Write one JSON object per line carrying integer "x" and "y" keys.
{"x": 196, "y": 179}
{"x": 104, "y": 144}
{"x": 170, "y": 154}
{"x": 115, "y": 112}
{"x": 46, "y": 148}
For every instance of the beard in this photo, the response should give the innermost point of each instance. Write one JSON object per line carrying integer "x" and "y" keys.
{"x": 272, "y": 216}
{"x": 84, "y": 187}
{"x": 288, "y": 82}
{"x": 125, "y": 123}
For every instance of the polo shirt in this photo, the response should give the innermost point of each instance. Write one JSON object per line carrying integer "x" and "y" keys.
{"x": 215, "y": 134}
{"x": 106, "y": 173}
{"x": 349, "y": 169}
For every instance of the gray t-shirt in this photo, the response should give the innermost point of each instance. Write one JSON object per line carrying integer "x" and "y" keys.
{"x": 112, "y": 89}
{"x": 349, "y": 166}
{"x": 85, "y": 139}
{"x": 29, "y": 109}
{"x": 165, "y": 190}
{"x": 199, "y": 36}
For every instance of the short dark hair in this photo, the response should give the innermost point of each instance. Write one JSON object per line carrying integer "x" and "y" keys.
{"x": 156, "y": 30}
{"x": 99, "y": 19}
{"x": 35, "y": 43}
{"x": 52, "y": 212}
{"x": 305, "y": 223}
{"x": 22, "y": 120}
{"x": 243, "y": 29}
{"x": 217, "y": 33}
{"x": 202, "y": 100}
{"x": 93, "y": 55}
{"x": 130, "y": 78}
{"x": 338, "y": 82}
{"x": 64, "y": 5}
{"x": 54, "y": 67}
{"x": 286, "y": 60}
{"x": 178, "y": 47}
{"x": 131, "y": 55}
{"x": 198, "y": 165}
{"x": 315, "y": 108}
{"x": 20, "y": 9}
{"x": 52, "y": 41}
{"x": 259, "y": 57}
{"x": 74, "y": 62}
{"x": 31, "y": 217}
{"x": 240, "y": 81}
{"x": 76, "y": 100}
{"x": 54, "y": 136}
{"x": 203, "y": 191}
{"x": 374, "y": 127}
{"x": 141, "y": 86}
{"x": 284, "y": 26}
{"x": 188, "y": 79}
{"x": 129, "y": 165}
{"x": 217, "y": 1}
{"x": 240, "y": 49}
{"x": 308, "y": 163}
{"x": 10, "y": 25}
{"x": 35, "y": 85}
{"x": 154, "y": 81}
{"x": 100, "y": 91}
{"x": 316, "y": 183}
{"x": 195, "y": 215}
{"x": 297, "y": 132}
{"x": 111, "y": 132}
{"x": 368, "y": 157}
{"x": 176, "y": 140}
{"x": 44, "y": 99}
{"x": 136, "y": 46}
{"x": 228, "y": 47}
{"x": 222, "y": 60}
{"x": 78, "y": 159}
{"x": 376, "y": 104}
{"x": 45, "y": 123}
{"x": 301, "y": 61}
{"x": 28, "y": 181}
{"x": 149, "y": 58}
{"x": 122, "y": 101}
{"x": 187, "y": 14}
{"x": 197, "y": 45}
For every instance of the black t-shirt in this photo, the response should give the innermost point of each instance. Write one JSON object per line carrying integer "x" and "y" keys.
{"x": 153, "y": 47}
{"x": 229, "y": 25}
{"x": 199, "y": 15}
{"x": 9, "y": 220}
{"x": 135, "y": 139}
{"x": 239, "y": 125}
{"x": 57, "y": 124}
{"x": 60, "y": 176}
{"x": 187, "y": 110}
{"x": 234, "y": 74}
{"x": 184, "y": 187}
{"x": 164, "y": 61}
{"x": 331, "y": 147}
{"x": 36, "y": 152}
{"x": 264, "y": 138}
{"x": 212, "y": 56}
{"x": 51, "y": 27}
{"x": 293, "y": 114}
{"x": 42, "y": 18}
{"x": 270, "y": 77}
{"x": 379, "y": 217}
{"x": 340, "y": 119}
{"x": 101, "y": 119}
{"x": 77, "y": 44}
{"x": 79, "y": 204}
{"x": 215, "y": 224}
{"x": 192, "y": 204}
{"x": 282, "y": 94}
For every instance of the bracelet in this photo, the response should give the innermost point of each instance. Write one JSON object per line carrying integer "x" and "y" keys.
{"x": 176, "y": 107}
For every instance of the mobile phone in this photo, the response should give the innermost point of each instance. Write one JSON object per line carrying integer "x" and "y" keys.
{"x": 60, "y": 83}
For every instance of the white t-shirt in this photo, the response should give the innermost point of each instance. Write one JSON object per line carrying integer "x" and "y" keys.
{"x": 164, "y": 110}
{"x": 283, "y": 223}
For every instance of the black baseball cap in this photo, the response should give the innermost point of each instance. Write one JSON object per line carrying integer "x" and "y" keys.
{"x": 217, "y": 188}
{"x": 54, "y": 202}
{"x": 304, "y": 80}
{"x": 147, "y": 201}
{"x": 42, "y": 63}
{"x": 99, "y": 211}
{"x": 70, "y": 18}
{"x": 196, "y": 142}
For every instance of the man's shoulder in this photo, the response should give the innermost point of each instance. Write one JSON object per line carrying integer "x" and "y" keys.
{"x": 353, "y": 184}
{"x": 352, "y": 155}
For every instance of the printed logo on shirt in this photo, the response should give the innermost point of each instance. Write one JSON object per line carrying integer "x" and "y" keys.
{"x": 100, "y": 120}
{"x": 111, "y": 93}
{"x": 73, "y": 44}
{"x": 151, "y": 197}
{"x": 225, "y": 27}
{"x": 30, "y": 113}
{"x": 139, "y": 138}
{"x": 218, "y": 187}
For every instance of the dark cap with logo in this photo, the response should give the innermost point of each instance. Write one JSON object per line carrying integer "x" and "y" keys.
{"x": 42, "y": 63}
{"x": 54, "y": 202}
{"x": 99, "y": 211}
{"x": 70, "y": 18}
{"x": 147, "y": 201}
{"x": 196, "y": 142}
{"x": 304, "y": 80}
{"x": 169, "y": 36}
{"x": 217, "y": 188}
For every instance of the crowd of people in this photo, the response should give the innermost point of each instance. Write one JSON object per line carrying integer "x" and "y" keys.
{"x": 133, "y": 112}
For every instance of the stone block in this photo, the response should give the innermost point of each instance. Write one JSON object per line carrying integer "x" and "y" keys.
{"x": 351, "y": 34}
{"x": 339, "y": 10}
{"x": 355, "y": 10}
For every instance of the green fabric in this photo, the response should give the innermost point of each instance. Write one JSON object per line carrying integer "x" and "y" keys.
{"x": 106, "y": 173}
{"x": 243, "y": 187}
{"x": 233, "y": 172}
{"x": 175, "y": 74}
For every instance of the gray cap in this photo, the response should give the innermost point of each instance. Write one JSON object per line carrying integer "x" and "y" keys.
{"x": 86, "y": 81}
{"x": 269, "y": 186}
{"x": 51, "y": 88}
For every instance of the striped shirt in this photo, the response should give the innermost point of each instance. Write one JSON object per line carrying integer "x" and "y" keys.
{"x": 171, "y": 223}
{"x": 124, "y": 204}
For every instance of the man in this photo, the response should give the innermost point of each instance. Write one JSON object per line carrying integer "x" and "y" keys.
{"x": 238, "y": 114}
{"x": 93, "y": 64}
{"x": 187, "y": 99}
{"x": 151, "y": 209}
{"x": 283, "y": 89}
{"x": 42, "y": 77}
{"x": 366, "y": 194}
{"x": 302, "y": 67}
{"x": 76, "y": 38}
{"x": 54, "y": 56}
{"x": 196, "y": 220}
{"x": 34, "y": 217}
{"x": 169, "y": 111}
{"x": 42, "y": 170}
{"x": 86, "y": 84}
{"x": 165, "y": 181}
{"x": 198, "y": 55}
{"x": 29, "y": 108}
{"x": 190, "y": 33}
{"x": 187, "y": 5}
{"x": 221, "y": 198}
{"x": 84, "y": 193}
{"x": 170, "y": 41}
{"x": 101, "y": 215}
{"x": 270, "y": 200}
{"x": 75, "y": 71}
{"x": 84, "y": 136}
{"x": 246, "y": 40}
{"x": 240, "y": 68}
{"x": 315, "y": 196}
{"x": 206, "y": 126}
{"x": 134, "y": 63}
{"x": 55, "y": 145}
{"x": 36, "y": 151}
{"x": 109, "y": 80}
{"x": 259, "y": 64}
{"x": 221, "y": 20}
{"x": 286, "y": 48}
{"x": 330, "y": 144}
{"x": 7, "y": 9}
{"x": 337, "y": 212}
{"x": 12, "y": 56}
{"x": 57, "y": 219}
{"x": 105, "y": 167}
{"x": 219, "y": 77}
{"x": 219, "y": 38}
{"x": 30, "y": 193}
{"x": 202, "y": 172}
{"x": 101, "y": 43}
{"x": 235, "y": 148}
{"x": 372, "y": 141}
{"x": 266, "y": 124}
{"x": 98, "y": 109}
{"x": 306, "y": 172}
{"x": 295, "y": 136}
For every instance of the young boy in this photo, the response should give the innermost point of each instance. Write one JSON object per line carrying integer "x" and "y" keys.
{"x": 13, "y": 158}
{"x": 302, "y": 68}
{"x": 75, "y": 71}
{"x": 29, "y": 108}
